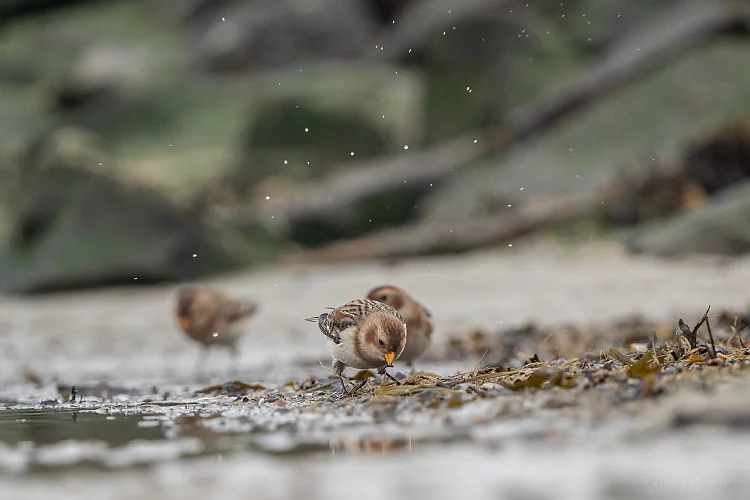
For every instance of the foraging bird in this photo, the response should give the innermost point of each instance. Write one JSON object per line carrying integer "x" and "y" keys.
{"x": 212, "y": 318}
{"x": 418, "y": 319}
{"x": 363, "y": 334}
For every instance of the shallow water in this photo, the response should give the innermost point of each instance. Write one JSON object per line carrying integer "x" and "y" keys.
{"x": 43, "y": 427}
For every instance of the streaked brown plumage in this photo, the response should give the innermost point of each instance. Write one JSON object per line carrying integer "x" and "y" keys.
{"x": 212, "y": 317}
{"x": 363, "y": 334}
{"x": 419, "y": 324}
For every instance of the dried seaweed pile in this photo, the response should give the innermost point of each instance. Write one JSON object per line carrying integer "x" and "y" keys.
{"x": 646, "y": 357}
{"x": 639, "y": 361}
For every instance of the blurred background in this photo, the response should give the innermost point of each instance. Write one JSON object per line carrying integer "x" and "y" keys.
{"x": 167, "y": 140}
{"x": 486, "y": 155}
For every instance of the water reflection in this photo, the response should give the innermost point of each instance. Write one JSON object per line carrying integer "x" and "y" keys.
{"x": 49, "y": 427}
{"x": 371, "y": 444}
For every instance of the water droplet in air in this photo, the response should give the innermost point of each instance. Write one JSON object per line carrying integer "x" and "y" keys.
{"x": 268, "y": 197}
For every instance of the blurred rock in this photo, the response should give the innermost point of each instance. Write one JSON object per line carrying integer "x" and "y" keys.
{"x": 106, "y": 89}
{"x": 302, "y": 140}
{"x": 17, "y": 8}
{"x": 321, "y": 117}
{"x": 721, "y": 160}
{"x": 364, "y": 196}
{"x": 464, "y": 49}
{"x": 723, "y": 228}
{"x": 76, "y": 224}
{"x": 652, "y": 122}
{"x": 603, "y": 23}
{"x": 272, "y": 33}
{"x": 483, "y": 59}
{"x": 387, "y": 11}
{"x": 189, "y": 11}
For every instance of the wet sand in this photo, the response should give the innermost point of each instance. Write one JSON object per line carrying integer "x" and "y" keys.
{"x": 126, "y": 336}
{"x": 129, "y": 335}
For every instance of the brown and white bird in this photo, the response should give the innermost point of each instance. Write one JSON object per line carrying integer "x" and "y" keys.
{"x": 418, "y": 319}
{"x": 212, "y": 318}
{"x": 363, "y": 334}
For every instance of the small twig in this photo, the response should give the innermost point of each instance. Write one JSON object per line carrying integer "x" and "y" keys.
{"x": 358, "y": 387}
{"x": 318, "y": 387}
{"x": 738, "y": 332}
{"x": 476, "y": 367}
{"x": 390, "y": 377}
{"x": 690, "y": 336}
{"x": 710, "y": 334}
{"x": 694, "y": 340}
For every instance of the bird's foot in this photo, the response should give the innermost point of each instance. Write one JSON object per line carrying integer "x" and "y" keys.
{"x": 384, "y": 372}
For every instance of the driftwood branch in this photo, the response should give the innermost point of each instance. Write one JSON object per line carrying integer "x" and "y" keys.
{"x": 330, "y": 198}
{"x": 451, "y": 236}
{"x": 684, "y": 27}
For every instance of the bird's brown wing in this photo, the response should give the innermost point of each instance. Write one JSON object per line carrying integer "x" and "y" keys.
{"x": 342, "y": 318}
{"x": 423, "y": 308}
{"x": 232, "y": 309}
{"x": 351, "y": 313}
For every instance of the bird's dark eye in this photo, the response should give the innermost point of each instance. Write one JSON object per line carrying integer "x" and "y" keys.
{"x": 381, "y": 342}
{"x": 384, "y": 297}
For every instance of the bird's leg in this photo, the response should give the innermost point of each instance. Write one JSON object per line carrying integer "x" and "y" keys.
{"x": 358, "y": 387}
{"x": 338, "y": 369}
{"x": 383, "y": 371}
{"x": 200, "y": 362}
{"x": 234, "y": 354}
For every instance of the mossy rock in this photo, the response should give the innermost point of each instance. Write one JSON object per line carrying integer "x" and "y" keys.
{"x": 367, "y": 214}
{"x": 651, "y": 122}
{"x": 302, "y": 140}
{"x": 74, "y": 226}
{"x": 480, "y": 61}
{"x": 722, "y": 227}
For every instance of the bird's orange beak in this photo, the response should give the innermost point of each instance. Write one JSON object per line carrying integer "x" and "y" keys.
{"x": 389, "y": 357}
{"x": 184, "y": 322}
